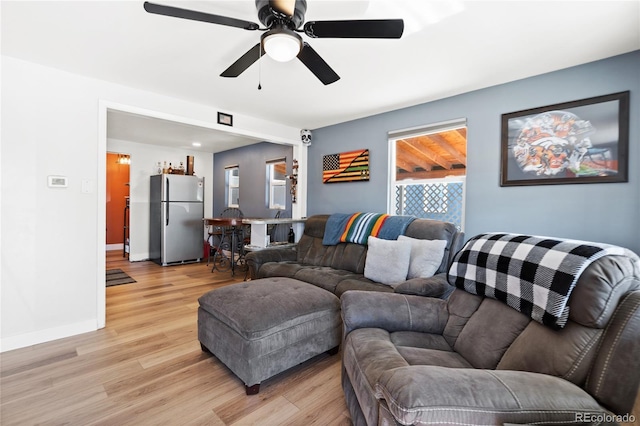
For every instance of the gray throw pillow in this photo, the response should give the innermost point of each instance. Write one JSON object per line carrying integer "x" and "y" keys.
{"x": 426, "y": 256}
{"x": 387, "y": 260}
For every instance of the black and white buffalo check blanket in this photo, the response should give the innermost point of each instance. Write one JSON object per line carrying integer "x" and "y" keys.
{"x": 532, "y": 274}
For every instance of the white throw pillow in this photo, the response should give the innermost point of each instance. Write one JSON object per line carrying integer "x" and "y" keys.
{"x": 387, "y": 260}
{"x": 426, "y": 256}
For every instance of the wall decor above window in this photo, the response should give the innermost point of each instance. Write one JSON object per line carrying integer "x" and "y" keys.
{"x": 346, "y": 166}
{"x": 226, "y": 119}
{"x": 583, "y": 141}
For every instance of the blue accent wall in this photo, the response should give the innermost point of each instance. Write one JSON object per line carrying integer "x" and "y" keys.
{"x": 607, "y": 212}
{"x": 251, "y": 160}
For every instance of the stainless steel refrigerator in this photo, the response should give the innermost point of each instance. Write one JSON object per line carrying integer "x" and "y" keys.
{"x": 176, "y": 227}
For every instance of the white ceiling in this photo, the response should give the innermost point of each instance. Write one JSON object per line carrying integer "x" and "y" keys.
{"x": 156, "y": 131}
{"x": 449, "y": 47}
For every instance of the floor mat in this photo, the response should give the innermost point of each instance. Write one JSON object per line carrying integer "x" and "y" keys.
{"x": 117, "y": 277}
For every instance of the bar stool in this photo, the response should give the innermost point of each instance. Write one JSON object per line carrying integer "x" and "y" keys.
{"x": 223, "y": 238}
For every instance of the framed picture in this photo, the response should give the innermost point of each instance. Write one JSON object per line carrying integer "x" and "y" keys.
{"x": 346, "y": 166}
{"x": 585, "y": 141}
{"x": 226, "y": 119}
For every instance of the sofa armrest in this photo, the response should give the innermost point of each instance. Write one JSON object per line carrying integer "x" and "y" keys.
{"x": 256, "y": 259}
{"x": 615, "y": 374}
{"x": 392, "y": 312}
{"x": 438, "y": 395}
{"x": 436, "y": 286}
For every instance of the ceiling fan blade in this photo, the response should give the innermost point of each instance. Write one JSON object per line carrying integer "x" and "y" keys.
{"x": 317, "y": 65}
{"x": 286, "y": 7}
{"x": 244, "y": 62}
{"x": 369, "y": 28}
{"x": 193, "y": 15}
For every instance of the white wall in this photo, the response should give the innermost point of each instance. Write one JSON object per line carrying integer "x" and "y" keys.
{"x": 143, "y": 164}
{"x": 53, "y": 240}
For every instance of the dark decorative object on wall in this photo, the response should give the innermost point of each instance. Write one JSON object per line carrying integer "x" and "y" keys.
{"x": 294, "y": 181}
{"x": 226, "y": 119}
{"x": 346, "y": 166}
{"x": 583, "y": 141}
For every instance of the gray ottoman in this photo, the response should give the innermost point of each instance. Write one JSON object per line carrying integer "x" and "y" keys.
{"x": 262, "y": 327}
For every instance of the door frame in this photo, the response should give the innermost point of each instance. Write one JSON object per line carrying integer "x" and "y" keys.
{"x": 299, "y": 209}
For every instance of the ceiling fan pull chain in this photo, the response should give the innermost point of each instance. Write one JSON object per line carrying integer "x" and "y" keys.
{"x": 260, "y": 67}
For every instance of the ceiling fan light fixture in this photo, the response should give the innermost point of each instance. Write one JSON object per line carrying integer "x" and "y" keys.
{"x": 281, "y": 44}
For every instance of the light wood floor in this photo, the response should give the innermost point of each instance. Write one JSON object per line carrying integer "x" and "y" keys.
{"x": 146, "y": 367}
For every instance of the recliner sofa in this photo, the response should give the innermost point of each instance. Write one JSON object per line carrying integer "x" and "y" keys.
{"x": 471, "y": 359}
{"x": 339, "y": 268}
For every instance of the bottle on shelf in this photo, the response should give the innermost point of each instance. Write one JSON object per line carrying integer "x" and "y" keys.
{"x": 181, "y": 168}
{"x": 165, "y": 169}
{"x": 292, "y": 236}
{"x": 159, "y": 168}
{"x": 170, "y": 170}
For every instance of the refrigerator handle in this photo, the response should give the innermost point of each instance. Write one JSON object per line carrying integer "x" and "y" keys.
{"x": 166, "y": 204}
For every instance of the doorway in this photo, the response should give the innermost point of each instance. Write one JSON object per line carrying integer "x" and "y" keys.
{"x": 117, "y": 202}
{"x": 127, "y": 137}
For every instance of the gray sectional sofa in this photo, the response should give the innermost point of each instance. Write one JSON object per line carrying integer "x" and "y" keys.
{"x": 338, "y": 268}
{"x": 472, "y": 359}
{"x": 480, "y": 349}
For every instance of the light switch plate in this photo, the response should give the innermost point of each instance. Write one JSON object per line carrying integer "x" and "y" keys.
{"x": 87, "y": 186}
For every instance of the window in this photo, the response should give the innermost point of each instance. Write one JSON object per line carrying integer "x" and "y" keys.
{"x": 232, "y": 182}
{"x": 277, "y": 184}
{"x": 428, "y": 172}
{"x": 436, "y": 199}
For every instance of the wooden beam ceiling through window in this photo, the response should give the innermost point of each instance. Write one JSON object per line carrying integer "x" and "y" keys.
{"x": 432, "y": 156}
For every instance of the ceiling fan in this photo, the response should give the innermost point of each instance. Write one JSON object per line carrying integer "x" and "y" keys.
{"x": 283, "y": 20}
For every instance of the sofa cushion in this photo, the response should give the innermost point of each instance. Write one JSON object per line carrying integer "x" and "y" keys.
{"x": 461, "y": 305}
{"x": 484, "y": 340}
{"x": 361, "y": 283}
{"x": 350, "y": 257}
{"x": 418, "y": 339}
{"x": 426, "y": 256}
{"x": 279, "y": 269}
{"x": 565, "y": 353}
{"x": 347, "y": 256}
{"x": 387, "y": 260}
{"x": 420, "y": 356}
{"x": 323, "y": 276}
{"x": 439, "y": 395}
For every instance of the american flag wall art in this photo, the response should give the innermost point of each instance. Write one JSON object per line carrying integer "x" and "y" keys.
{"x": 346, "y": 166}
